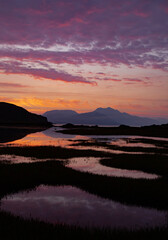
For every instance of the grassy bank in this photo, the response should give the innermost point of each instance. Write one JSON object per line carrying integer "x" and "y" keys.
{"x": 139, "y": 192}
{"x": 151, "y": 131}
{"x": 15, "y": 228}
{"x": 156, "y": 142}
{"x": 157, "y": 164}
{"x": 96, "y": 143}
{"x": 51, "y": 152}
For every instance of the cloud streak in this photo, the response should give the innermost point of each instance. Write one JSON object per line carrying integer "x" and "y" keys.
{"x": 14, "y": 67}
{"x": 129, "y": 32}
{"x": 12, "y": 85}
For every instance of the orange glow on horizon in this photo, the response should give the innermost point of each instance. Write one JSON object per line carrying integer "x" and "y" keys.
{"x": 41, "y": 105}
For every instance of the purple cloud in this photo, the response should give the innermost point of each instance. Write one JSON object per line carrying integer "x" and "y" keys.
{"x": 51, "y": 74}
{"x": 133, "y": 80}
{"x": 129, "y": 32}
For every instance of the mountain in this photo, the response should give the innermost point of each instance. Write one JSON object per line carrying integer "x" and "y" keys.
{"x": 11, "y": 114}
{"x": 61, "y": 116}
{"x": 101, "y": 116}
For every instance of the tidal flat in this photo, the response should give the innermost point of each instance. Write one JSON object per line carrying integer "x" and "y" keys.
{"x": 50, "y": 181}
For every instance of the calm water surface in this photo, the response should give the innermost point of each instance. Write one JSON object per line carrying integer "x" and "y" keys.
{"x": 91, "y": 164}
{"x": 84, "y": 164}
{"x": 51, "y": 137}
{"x": 70, "y": 205}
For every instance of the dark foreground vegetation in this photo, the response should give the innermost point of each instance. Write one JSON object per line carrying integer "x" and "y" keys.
{"x": 141, "y": 192}
{"x": 15, "y": 228}
{"x": 156, "y": 142}
{"x": 161, "y": 148}
{"x": 138, "y": 192}
{"x": 152, "y": 131}
{"x": 154, "y": 163}
{"x": 43, "y": 152}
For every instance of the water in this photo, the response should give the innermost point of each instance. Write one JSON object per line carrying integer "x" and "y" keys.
{"x": 72, "y": 206}
{"x": 47, "y": 137}
{"x": 85, "y": 164}
{"x": 124, "y": 143}
{"x": 15, "y": 159}
{"x": 52, "y": 137}
{"x": 92, "y": 165}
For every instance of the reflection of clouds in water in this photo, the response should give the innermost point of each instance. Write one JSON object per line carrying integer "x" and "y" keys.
{"x": 84, "y": 164}
{"x": 126, "y": 143}
{"x": 52, "y": 132}
{"x": 47, "y": 137}
{"x": 51, "y": 137}
{"x": 92, "y": 165}
{"x": 21, "y": 159}
{"x": 71, "y": 205}
{"x": 15, "y": 159}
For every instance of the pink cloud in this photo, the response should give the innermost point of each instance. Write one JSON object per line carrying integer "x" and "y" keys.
{"x": 133, "y": 80}
{"x": 104, "y": 56}
{"x": 13, "y": 85}
{"x": 118, "y": 32}
{"x": 112, "y": 79}
{"x": 51, "y": 74}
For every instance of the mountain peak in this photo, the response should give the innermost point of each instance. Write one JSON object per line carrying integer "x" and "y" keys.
{"x": 100, "y": 116}
{"x": 108, "y": 109}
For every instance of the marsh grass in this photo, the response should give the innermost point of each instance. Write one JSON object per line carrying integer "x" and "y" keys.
{"x": 96, "y": 143}
{"x": 27, "y": 176}
{"x": 43, "y": 152}
{"x": 155, "y": 163}
{"x": 159, "y": 143}
{"x": 140, "y": 192}
{"x": 150, "y": 131}
{"x": 16, "y": 228}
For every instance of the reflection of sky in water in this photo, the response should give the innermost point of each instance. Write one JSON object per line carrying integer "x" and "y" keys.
{"x": 51, "y": 137}
{"x": 124, "y": 143}
{"x": 73, "y": 206}
{"x": 47, "y": 137}
{"x": 15, "y": 159}
{"x": 84, "y": 164}
{"x": 21, "y": 159}
{"x": 91, "y": 164}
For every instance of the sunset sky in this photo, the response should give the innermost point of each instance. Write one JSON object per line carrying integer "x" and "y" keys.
{"x": 81, "y": 55}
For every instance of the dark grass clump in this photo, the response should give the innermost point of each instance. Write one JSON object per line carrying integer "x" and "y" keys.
{"x": 158, "y": 143}
{"x": 16, "y": 228}
{"x": 155, "y": 163}
{"x": 43, "y": 152}
{"x": 140, "y": 192}
{"x": 151, "y": 131}
{"x": 96, "y": 143}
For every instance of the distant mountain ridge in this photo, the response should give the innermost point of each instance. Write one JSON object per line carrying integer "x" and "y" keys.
{"x": 100, "y": 116}
{"x": 11, "y": 114}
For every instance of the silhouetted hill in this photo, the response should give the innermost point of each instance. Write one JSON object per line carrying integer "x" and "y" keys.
{"x": 60, "y": 116}
{"x": 101, "y": 116}
{"x": 11, "y": 114}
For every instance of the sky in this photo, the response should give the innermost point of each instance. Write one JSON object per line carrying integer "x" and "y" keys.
{"x": 81, "y": 55}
